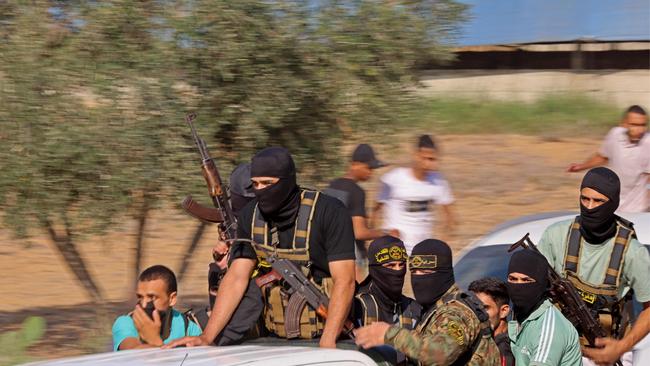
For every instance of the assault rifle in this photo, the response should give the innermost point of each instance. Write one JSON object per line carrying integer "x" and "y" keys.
{"x": 301, "y": 291}
{"x": 564, "y": 294}
{"x": 222, "y": 213}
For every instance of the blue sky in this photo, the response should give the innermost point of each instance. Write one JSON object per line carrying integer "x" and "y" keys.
{"x": 529, "y": 21}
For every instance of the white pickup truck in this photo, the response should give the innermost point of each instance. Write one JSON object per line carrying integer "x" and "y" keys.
{"x": 220, "y": 356}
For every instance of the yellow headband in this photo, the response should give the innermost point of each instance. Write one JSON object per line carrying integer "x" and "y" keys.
{"x": 423, "y": 261}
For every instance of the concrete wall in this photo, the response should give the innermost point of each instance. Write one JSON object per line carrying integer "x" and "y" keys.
{"x": 622, "y": 88}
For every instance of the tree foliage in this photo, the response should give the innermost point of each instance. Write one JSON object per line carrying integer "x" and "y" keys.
{"x": 93, "y": 95}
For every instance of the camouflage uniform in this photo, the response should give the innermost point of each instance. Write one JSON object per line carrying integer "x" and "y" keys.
{"x": 450, "y": 333}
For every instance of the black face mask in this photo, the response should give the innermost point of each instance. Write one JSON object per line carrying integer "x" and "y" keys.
{"x": 526, "y": 297}
{"x": 279, "y": 202}
{"x": 389, "y": 281}
{"x": 598, "y": 224}
{"x": 237, "y": 202}
{"x": 429, "y": 288}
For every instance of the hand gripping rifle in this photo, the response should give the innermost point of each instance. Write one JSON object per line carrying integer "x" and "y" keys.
{"x": 222, "y": 213}
{"x": 564, "y": 294}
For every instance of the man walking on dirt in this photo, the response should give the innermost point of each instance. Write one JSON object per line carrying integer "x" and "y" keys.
{"x": 353, "y": 196}
{"x": 408, "y": 194}
{"x": 626, "y": 149}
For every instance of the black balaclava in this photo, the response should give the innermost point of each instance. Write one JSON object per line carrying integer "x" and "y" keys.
{"x": 436, "y": 255}
{"x": 526, "y": 297}
{"x": 278, "y": 202}
{"x": 599, "y": 224}
{"x": 386, "y": 282}
{"x": 240, "y": 187}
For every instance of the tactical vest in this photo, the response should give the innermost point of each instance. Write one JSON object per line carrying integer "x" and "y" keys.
{"x": 288, "y": 316}
{"x": 602, "y": 299}
{"x": 475, "y": 305}
{"x": 370, "y": 306}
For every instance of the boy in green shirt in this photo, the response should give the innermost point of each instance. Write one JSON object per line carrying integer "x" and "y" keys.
{"x": 540, "y": 335}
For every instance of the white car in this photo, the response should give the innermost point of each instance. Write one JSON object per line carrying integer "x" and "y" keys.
{"x": 221, "y": 356}
{"x": 489, "y": 257}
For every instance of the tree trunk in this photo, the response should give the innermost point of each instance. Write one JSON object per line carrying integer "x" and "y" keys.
{"x": 139, "y": 241}
{"x": 66, "y": 247}
{"x": 190, "y": 250}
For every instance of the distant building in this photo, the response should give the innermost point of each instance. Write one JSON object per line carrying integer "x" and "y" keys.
{"x": 599, "y": 47}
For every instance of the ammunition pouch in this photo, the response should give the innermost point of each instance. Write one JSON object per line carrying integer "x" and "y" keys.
{"x": 370, "y": 307}
{"x": 288, "y": 315}
{"x": 286, "y": 312}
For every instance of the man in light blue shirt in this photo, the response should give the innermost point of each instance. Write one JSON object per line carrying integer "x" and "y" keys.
{"x": 154, "y": 321}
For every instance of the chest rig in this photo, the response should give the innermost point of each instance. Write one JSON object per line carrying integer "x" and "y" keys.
{"x": 406, "y": 318}
{"x": 476, "y": 306}
{"x": 288, "y": 316}
{"x": 602, "y": 299}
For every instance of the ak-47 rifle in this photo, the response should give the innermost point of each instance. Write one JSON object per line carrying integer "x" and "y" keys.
{"x": 222, "y": 213}
{"x": 302, "y": 291}
{"x": 564, "y": 294}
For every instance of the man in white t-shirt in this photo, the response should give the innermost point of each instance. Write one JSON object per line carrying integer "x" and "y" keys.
{"x": 626, "y": 150}
{"x": 408, "y": 194}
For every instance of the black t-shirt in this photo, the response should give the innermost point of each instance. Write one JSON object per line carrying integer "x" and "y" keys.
{"x": 355, "y": 196}
{"x": 331, "y": 238}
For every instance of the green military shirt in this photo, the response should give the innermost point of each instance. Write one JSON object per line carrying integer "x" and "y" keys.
{"x": 545, "y": 338}
{"x": 447, "y": 334}
{"x": 594, "y": 260}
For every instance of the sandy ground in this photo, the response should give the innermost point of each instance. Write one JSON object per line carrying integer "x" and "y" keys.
{"x": 494, "y": 178}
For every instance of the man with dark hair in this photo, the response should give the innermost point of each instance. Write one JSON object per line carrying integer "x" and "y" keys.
{"x": 407, "y": 196}
{"x": 493, "y": 293}
{"x": 540, "y": 335}
{"x": 353, "y": 196}
{"x": 626, "y": 150}
{"x": 454, "y": 328}
{"x": 379, "y": 297}
{"x": 599, "y": 253}
{"x": 314, "y": 231}
{"x": 154, "y": 321}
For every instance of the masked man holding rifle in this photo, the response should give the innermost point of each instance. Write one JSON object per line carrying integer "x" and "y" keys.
{"x": 311, "y": 230}
{"x": 599, "y": 253}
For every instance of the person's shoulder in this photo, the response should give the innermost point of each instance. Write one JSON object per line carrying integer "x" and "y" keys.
{"x": 558, "y": 323}
{"x": 617, "y": 132}
{"x": 435, "y": 178}
{"x": 559, "y": 227}
{"x": 123, "y": 321}
{"x": 456, "y": 309}
{"x": 329, "y": 203}
{"x": 345, "y": 184}
{"x": 394, "y": 174}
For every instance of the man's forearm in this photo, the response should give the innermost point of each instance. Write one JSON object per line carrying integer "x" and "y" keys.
{"x": 640, "y": 329}
{"x": 231, "y": 291}
{"x": 594, "y": 161}
{"x": 339, "y": 306}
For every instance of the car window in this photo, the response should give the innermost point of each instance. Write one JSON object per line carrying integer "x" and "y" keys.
{"x": 489, "y": 261}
